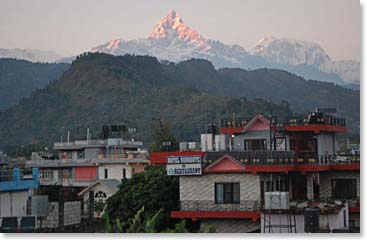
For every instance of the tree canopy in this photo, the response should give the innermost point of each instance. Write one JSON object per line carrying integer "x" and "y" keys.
{"x": 147, "y": 193}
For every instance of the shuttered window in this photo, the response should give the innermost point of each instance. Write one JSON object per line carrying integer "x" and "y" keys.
{"x": 227, "y": 193}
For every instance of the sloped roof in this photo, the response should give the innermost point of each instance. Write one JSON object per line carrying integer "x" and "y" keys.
{"x": 110, "y": 183}
{"x": 254, "y": 120}
{"x": 226, "y": 163}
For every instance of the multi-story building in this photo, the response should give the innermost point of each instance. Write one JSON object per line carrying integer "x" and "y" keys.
{"x": 80, "y": 165}
{"x": 17, "y": 187}
{"x": 269, "y": 176}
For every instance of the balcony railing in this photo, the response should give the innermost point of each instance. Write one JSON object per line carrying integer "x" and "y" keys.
{"x": 268, "y": 157}
{"x": 82, "y": 162}
{"x": 66, "y": 182}
{"x": 100, "y": 142}
{"x": 308, "y": 119}
{"x": 208, "y": 205}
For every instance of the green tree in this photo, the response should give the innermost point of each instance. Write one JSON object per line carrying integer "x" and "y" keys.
{"x": 163, "y": 138}
{"x": 148, "y": 197}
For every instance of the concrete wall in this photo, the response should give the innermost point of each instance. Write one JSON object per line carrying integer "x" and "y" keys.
{"x": 115, "y": 171}
{"x": 238, "y": 142}
{"x": 52, "y": 220}
{"x": 13, "y": 204}
{"x": 201, "y": 188}
{"x": 326, "y": 143}
{"x": 72, "y": 214}
{"x": 230, "y": 225}
{"x": 91, "y": 153}
{"x": 326, "y": 178}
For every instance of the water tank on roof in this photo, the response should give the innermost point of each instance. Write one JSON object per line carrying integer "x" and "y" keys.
{"x": 206, "y": 142}
{"x": 193, "y": 145}
{"x": 220, "y": 143}
{"x": 183, "y": 146}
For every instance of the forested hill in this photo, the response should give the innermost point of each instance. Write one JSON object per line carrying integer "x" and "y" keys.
{"x": 20, "y": 78}
{"x": 271, "y": 84}
{"x": 102, "y": 89}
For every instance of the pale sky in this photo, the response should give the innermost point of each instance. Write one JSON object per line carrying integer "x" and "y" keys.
{"x": 70, "y": 27}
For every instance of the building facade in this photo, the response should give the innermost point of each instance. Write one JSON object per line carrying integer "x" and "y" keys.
{"x": 261, "y": 158}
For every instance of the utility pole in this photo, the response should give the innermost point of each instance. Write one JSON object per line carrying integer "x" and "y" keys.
{"x": 61, "y": 210}
{"x": 270, "y": 135}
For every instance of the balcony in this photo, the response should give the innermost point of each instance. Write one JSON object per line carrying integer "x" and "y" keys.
{"x": 209, "y": 205}
{"x": 283, "y": 161}
{"x": 268, "y": 157}
{"x": 96, "y": 143}
{"x": 18, "y": 179}
{"x": 67, "y": 182}
{"x": 82, "y": 162}
{"x": 309, "y": 119}
{"x": 246, "y": 209}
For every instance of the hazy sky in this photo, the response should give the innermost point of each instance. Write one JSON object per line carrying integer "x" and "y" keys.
{"x": 72, "y": 26}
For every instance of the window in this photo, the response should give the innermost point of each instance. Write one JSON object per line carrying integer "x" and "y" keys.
{"x": 46, "y": 174}
{"x": 255, "y": 144}
{"x": 276, "y": 185}
{"x": 344, "y": 188}
{"x": 100, "y": 195}
{"x": 227, "y": 193}
{"x": 105, "y": 173}
{"x": 123, "y": 173}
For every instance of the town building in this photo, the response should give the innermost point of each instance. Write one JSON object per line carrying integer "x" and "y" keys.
{"x": 101, "y": 189}
{"x": 80, "y": 163}
{"x": 17, "y": 187}
{"x": 268, "y": 175}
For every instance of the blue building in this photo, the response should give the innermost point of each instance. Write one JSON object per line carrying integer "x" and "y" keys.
{"x": 16, "y": 189}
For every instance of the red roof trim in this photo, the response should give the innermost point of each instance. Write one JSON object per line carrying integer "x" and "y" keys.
{"x": 258, "y": 117}
{"x": 289, "y": 168}
{"x": 354, "y": 210}
{"x": 351, "y": 167}
{"x": 231, "y": 130}
{"x": 194, "y": 215}
{"x": 315, "y": 128}
{"x": 161, "y": 157}
{"x": 226, "y": 157}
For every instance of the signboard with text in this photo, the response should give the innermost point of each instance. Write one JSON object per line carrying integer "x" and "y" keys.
{"x": 183, "y": 165}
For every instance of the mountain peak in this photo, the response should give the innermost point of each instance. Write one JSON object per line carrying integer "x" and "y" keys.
{"x": 291, "y": 52}
{"x": 172, "y": 26}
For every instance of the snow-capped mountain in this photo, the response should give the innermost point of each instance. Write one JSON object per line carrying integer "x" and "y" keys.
{"x": 290, "y": 52}
{"x": 297, "y": 53}
{"x": 172, "y": 40}
{"x": 31, "y": 55}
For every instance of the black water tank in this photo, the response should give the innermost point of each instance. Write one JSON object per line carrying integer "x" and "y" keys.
{"x": 312, "y": 220}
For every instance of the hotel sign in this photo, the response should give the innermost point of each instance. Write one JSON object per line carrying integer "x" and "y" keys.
{"x": 183, "y": 165}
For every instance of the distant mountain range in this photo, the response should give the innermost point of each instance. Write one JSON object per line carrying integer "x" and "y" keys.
{"x": 32, "y": 55}
{"x": 20, "y": 78}
{"x": 101, "y": 89}
{"x": 172, "y": 40}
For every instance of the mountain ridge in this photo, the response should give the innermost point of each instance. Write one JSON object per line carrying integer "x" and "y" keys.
{"x": 100, "y": 89}
{"x": 172, "y": 40}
